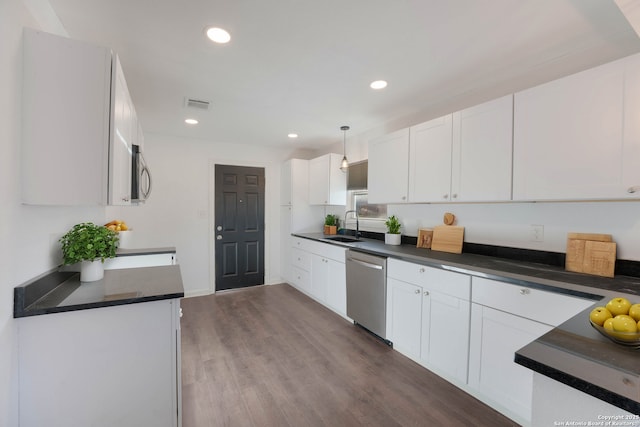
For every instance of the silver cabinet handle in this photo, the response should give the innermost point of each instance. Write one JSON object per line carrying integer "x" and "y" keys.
{"x": 525, "y": 291}
{"x": 455, "y": 196}
{"x": 404, "y": 197}
{"x": 446, "y": 196}
{"x": 422, "y": 270}
{"x": 426, "y": 293}
{"x": 633, "y": 189}
{"x": 417, "y": 291}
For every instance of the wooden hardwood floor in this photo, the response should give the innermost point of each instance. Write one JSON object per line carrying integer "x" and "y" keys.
{"x": 271, "y": 356}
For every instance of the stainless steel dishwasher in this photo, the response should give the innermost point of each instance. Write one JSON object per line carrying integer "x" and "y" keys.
{"x": 367, "y": 291}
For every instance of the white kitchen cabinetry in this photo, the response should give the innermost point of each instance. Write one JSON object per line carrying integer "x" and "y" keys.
{"x": 428, "y": 316}
{"x": 78, "y": 123}
{"x": 460, "y": 157}
{"x": 105, "y": 366}
{"x": 430, "y": 160}
{"x": 296, "y": 215}
{"x": 329, "y": 182}
{"x": 388, "y": 168}
{"x": 482, "y": 152}
{"x": 505, "y": 318}
{"x": 573, "y": 137}
{"x": 319, "y": 271}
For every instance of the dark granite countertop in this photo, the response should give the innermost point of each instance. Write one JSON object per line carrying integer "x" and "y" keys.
{"x": 59, "y": 291}
{"x": 573, "y": 353}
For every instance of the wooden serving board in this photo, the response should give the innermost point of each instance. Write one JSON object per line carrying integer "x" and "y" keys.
{"x": 591, "y": 254}
{"x": 447, "y": 238}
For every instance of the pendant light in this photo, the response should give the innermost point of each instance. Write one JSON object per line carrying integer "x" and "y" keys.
{"x": 344, "y": 165}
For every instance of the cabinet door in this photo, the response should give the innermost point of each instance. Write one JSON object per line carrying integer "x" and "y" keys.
{"x": 121, "y": 140}
{"x": 482, "y": 152}
{"x": 568, "y": 138}
{"x": 286, "y": 190}
{"x": 329, "y": 182}
{"x": 337, "y": 287}
{"x": 430, "y": 169}
{"x": 495, "y": 337}
{"x": 319, "y": 277}
{"x": 404, "y": 305}
{"x": 66, "y": 100}
{"x": 445, "y": 333}
{"x": 388, "y": 168}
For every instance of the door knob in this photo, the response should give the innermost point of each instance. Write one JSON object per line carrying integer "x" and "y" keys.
{"x": 219, "y": 237}
{"x": 219, "y": 228}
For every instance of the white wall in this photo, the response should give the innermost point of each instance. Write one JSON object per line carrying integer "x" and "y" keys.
{"x": 180, "y": 209}
{"x": 28, "y": 234}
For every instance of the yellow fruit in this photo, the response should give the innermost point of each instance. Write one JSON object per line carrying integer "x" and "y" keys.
{"x": 111, "y": 227}
{"x": 608, "y": 324}
{"x": 618, "y": 305}
{"x": 599, "y": 314}
{"x": 124, "y": 227}
{"x": 118, "y": 228}
{"x": 624, "y": 323}
{"x": 634, "y": 311}
{"x": 639, "y": 326}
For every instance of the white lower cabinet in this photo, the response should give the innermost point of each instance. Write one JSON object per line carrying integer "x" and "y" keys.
{"x": 319, "y": 271}
{"x": 109, "y": 366}
{"x": 504, "y": 318}
{"x": 428, "y": 316}
{"x": 495, "y": 337}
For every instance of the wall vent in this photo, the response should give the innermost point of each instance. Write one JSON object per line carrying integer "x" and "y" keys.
{"x": 196, "y": 103}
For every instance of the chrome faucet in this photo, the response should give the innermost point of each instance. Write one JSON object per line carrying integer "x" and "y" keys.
{"x": 355, "y": 214}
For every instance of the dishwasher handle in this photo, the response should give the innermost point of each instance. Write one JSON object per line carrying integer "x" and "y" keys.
{"x": 366, "y": 264}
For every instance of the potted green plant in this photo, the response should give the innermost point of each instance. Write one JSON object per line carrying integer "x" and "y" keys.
{"x": 331, "y": 223}
{"x": 89, "y": 245}
{"x": 392, "y": 236}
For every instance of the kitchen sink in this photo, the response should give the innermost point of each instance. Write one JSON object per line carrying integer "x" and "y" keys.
{"x": 343, "y": 239}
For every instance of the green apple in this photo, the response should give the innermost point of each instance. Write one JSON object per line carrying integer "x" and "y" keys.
{"x": 618, "y": 305}
{"x": 599, "y": 314}
{"x": 634, "y": 311}
{"x": 608, "y": 324}
{"x": 624, "y": 323}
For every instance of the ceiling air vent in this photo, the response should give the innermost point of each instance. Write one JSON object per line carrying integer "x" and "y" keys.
{"x": 196, "y": 103}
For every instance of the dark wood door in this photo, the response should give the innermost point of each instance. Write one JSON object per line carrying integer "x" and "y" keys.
{"x": 239, "y": 226}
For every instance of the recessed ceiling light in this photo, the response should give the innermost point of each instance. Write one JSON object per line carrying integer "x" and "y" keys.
{"x": 191, "y": 121}
{"x": 218, "y": 35}
{"x": 378, "y": 84}
{"x": 293, "y": 135}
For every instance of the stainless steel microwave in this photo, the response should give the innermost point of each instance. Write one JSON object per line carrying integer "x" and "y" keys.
{"x": 140, "y": 176}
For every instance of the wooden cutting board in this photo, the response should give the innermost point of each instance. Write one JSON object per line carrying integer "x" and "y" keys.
{"x": 447, "y": 238}
{"x": 591, "y": 254}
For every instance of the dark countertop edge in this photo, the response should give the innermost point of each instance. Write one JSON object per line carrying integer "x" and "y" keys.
{"x": 579, "y": 384}
{"x": 144, "y": 251}
{"x": 53, "y": 310}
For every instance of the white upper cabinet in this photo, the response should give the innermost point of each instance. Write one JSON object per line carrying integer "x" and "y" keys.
{"x": 573, "y": 139}
{"x": 327, "y": 183}
{"x": 482, "y": 152}
{"x": 389, "y": 168}
{"x": 78, "y": 124}
{"x": 430, "y": 161}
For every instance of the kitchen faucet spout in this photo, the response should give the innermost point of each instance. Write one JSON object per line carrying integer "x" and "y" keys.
{"x": 355, "y": 214}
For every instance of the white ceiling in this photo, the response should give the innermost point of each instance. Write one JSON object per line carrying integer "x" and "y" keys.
{"x": 304, "y": 66}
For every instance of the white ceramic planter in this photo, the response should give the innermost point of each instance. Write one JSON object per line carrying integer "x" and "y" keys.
{"x": 90, "y": 271}
{"x": 392, "y": 239}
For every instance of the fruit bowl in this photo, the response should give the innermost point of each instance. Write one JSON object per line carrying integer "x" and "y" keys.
{"x": 629, "y": 339}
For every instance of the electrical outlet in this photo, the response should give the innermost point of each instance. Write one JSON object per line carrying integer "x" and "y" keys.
{"x": 537, "y": 233}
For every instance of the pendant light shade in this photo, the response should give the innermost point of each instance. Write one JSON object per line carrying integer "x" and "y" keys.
{"x": 344, "y": 165}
